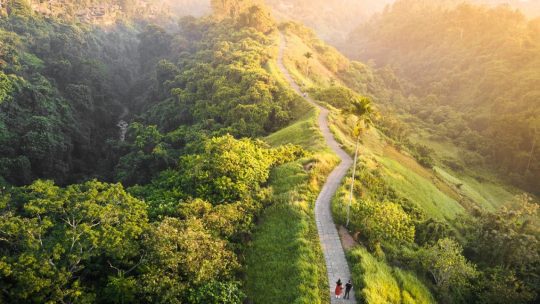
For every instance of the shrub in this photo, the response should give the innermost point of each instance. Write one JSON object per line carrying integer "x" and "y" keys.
{"x": 380, "y": 283}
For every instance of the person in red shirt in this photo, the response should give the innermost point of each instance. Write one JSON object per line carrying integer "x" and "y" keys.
{"x": 339, "y": 289}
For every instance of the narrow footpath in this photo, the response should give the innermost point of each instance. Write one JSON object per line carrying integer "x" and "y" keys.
{"x": 336, "y": 263}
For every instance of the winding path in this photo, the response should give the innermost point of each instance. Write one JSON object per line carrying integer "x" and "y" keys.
{"x": 336, "y": 263}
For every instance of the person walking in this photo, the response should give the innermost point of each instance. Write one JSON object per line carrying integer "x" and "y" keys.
{"x": 339, "y": 289}
{"x": 348, "y": 288}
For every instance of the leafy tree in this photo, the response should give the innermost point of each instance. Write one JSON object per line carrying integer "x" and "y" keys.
{"x": 183, "y": 254}
{"x": 6, "y": 87}
{"x": 382, "y": 222}
{"x": 431, "y": 230}
{"x": 54, "y": 239}
{"x": 500, "y": 285}
{"x": 228, "y": 170}
{"x": 308, "y": 56}
{"x": 361, "y": 108}
{"x": 258, "y": 18}
{"x": 18, "y": 8}
{"x": 149, "y": 155}
{"x": 229, "y": 8}
{"x": 507, "y": 237}
{"x": 155, "y": 44}
{"x": 447, "y": 266}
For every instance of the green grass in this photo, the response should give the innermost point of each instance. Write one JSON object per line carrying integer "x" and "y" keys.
{"x": 280, "y": 265}
{"x": 380, "y": 283}
{"x": 420, "y": 190}
{"x": 287, "y": 177}
{"x": 413, "y": 291}
{"x": 305, "y": 132}
{"x": 403, "y": 175}
{"x": 496, "y": 194}
{"x": 488, "y": 195}
{"x": 272, "y": 68}
{"x": 285, "y": 263}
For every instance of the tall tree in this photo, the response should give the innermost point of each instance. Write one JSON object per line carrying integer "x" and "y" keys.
{"x": 363, "y": 111}
{"x": 447, "y": 265}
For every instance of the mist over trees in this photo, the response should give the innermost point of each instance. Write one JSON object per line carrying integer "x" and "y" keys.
{"x": 473, "y": 80}
{"x": 64, "y": 87}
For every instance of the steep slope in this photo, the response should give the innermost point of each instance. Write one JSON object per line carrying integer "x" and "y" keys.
{"x": 194, "y": 187}
{"x": 327, "y": 68}
{"x": 409, "y": 200}
{"x": 468, "y": 79}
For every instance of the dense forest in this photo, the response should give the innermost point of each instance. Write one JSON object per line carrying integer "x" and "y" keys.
{"x": 63, "y": 88}
{"x": 178, "y": 235}
{"x": 466, "y": 78}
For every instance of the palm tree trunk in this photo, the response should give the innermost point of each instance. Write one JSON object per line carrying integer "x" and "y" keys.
{"x": 532, "y": 152}
{"x": 352, "y": 182}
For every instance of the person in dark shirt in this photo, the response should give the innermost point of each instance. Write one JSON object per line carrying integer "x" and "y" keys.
{"x": 348, "y": 288}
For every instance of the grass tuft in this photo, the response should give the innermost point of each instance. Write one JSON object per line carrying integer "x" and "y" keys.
{"x": 380, "y": 283}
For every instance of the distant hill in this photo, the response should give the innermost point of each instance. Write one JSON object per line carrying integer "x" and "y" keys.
{"x": 331, "y": 19}
{"x": 107, "y": 12}
{"x": 531, "y": 8}
{"x": 189, "y": 7}
{"x": 475, "y": 70}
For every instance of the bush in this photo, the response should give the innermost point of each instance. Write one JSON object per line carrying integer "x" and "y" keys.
{"x": 413, "y": 290}
{"x": 381, "y": 283}
{"x": 337, "y": 96}
{"x": 423, "y": 154}
{"x": 217, "y": 293}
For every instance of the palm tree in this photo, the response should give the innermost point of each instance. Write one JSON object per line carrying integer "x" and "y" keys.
{"x": 308, "y": 56}
{"x": 363, "y": 110}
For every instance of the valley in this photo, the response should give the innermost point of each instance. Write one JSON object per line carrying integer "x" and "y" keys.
{"x": 202, "y": 152}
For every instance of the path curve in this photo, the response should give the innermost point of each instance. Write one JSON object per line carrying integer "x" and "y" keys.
{"x": 336, "y": 263}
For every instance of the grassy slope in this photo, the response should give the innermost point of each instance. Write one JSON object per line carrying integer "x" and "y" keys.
{"x": 300, "y": 133}
{"x": 407, "y": 287}
{"x": 381, "y": 283}
{"x": 287, "y": 231}
{"x": 285, "y": 263}
{"x": 482, "y": 187}
{"x": 441, "y": 193}
{"x": 398, "y": 168}
{"x": 434, "y": 191}
{"x": 402, "y": 172}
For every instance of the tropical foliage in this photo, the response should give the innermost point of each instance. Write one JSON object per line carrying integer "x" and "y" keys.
{"x": 179, "y": 233}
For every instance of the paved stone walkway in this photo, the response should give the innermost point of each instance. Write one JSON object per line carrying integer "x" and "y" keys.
{"x": 336, "y": 263}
